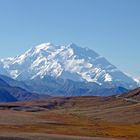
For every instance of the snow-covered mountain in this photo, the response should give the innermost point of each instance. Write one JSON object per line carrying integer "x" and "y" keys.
{"x": 65, "y": 62}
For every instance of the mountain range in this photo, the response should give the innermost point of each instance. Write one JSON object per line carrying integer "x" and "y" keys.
{"x": 60, "y": 70}
{"x": 12, "y": 94}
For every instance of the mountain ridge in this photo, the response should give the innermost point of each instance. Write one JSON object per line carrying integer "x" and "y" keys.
{"x": 10, "y": 93}
{"x": 69, "y": 62}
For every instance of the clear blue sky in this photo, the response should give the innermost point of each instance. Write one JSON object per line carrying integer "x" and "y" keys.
{"x": 109, "y": 27}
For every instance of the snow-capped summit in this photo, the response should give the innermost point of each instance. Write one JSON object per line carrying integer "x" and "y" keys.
{"x": 66, "y": 62}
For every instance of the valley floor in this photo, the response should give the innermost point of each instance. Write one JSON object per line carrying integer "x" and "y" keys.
{"x": 27, "y": 136}
{"x": 87, "y": 118}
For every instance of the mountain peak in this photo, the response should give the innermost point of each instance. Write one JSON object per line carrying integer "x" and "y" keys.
{"x": 43, "y": 46}
{"x": 49, "y": 44}
{"x": 73, "y": 45}
{"x": 65, "y": 62}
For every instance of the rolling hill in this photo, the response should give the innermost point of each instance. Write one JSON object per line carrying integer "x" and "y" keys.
{"x": 88, "y": 118}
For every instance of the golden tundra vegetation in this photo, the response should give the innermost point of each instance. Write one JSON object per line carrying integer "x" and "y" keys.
{"x": 97, "y": 118}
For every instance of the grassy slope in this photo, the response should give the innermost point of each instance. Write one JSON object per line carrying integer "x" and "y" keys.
{"x": 81, "y": 116}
